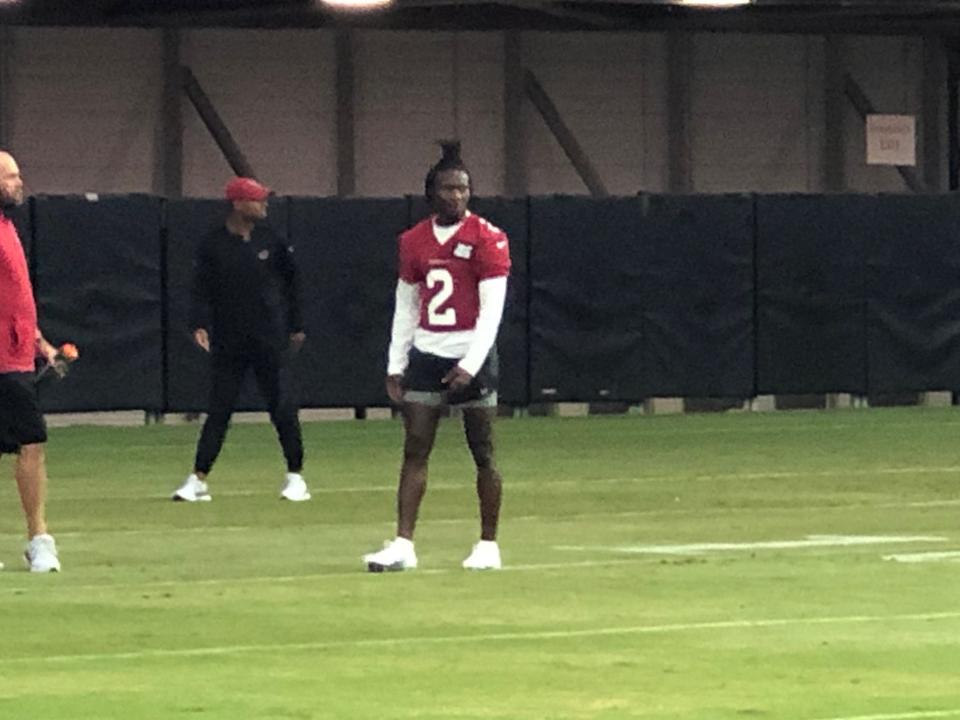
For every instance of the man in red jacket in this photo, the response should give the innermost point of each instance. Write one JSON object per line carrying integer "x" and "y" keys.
{"x": 22, "y": 427}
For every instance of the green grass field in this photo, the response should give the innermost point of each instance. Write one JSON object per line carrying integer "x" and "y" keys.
{"x": 668, "y": 568}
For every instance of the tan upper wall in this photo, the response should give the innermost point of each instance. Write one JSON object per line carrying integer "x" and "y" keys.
{"x": 83, "y": 108}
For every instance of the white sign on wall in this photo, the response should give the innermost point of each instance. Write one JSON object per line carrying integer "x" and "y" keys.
{"x": 891, "y": 140}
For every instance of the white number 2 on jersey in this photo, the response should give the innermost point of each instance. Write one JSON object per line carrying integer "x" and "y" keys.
{"x": 443, "y": 278}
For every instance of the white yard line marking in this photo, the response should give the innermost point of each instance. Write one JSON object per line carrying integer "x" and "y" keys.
{"x": 920, "y": 557}
{"x": 811, "y": 541}
{"x": 578, "y": 483}
{"x": 922, "y": 503}
{"x": 360, "y": 572}
{"x": 919, "y": 715}
{"x": 220, "y": 650}
{"x": 795, "y": 474}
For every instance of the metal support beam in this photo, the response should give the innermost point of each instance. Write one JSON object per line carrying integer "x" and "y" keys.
{"x": 934, "y": 85}
{"x": 346, "y": 126}
{"x": 679, "y": 74}
{"x": 6, "y": 92}
{"x": 214, "y": 123}
{"x": 169, "y": 163}
{"x": 864, "y": 107}
{"x": 551, "y": 116}
{"x": 514, "y": 130}
{"x": 834, "y": 130}
{"x": 953, "y": 116}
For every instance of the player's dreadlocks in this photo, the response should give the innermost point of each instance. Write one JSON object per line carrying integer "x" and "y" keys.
{"x": 450, "y": 160}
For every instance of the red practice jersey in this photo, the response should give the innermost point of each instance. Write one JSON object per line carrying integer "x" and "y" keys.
{"x": 448, "y": 273}
{"x": 18, "y": 313}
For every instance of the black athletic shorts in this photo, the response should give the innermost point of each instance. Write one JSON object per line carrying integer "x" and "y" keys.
{"x": 423, "y": 380}
{"x": 21, "y": 421}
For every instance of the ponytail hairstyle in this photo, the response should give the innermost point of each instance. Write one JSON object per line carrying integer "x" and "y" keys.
{"x": 449, "y": 160}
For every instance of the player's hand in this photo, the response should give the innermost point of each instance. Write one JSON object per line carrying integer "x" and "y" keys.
{"x": 66, "y": 354}
{"x": 296, "y": 341}
{"x": 202, "y": 338}
{"x": 395, "y": 388}
{"x": 457, "y": 379}
{"x": 45, "y": 350}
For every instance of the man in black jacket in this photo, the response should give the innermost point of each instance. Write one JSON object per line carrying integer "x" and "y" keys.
{"x": 246, "y": 313}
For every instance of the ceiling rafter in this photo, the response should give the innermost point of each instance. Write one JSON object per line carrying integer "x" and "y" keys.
{"x": 559, "y": 10}
{"x": 941, "y": 17}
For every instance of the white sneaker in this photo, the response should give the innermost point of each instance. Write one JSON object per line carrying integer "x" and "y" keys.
{"x": 193, "y": 490}
{"x": 484, "y": 556}
{"x": 41, "y": 554}
{"x": 294, "y": 488}
{"x": 396, "y": 555}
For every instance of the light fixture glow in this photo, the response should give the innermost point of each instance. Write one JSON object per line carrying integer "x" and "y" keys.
{"x": 356, "y": 4}
{"x": 714, "y": 3}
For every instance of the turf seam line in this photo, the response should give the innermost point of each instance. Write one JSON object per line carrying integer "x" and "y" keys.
{"x": 489, "y": 637}
{"x": 700, "y": 510}
{"x": 359, "y": 574}
{"x": 920, "y": 715}
{"x": 580, "y": 483}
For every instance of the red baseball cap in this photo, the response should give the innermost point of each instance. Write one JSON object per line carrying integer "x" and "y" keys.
{"x": 244, "y": 188}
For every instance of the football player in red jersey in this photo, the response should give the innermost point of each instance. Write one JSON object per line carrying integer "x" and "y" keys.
{"x": 23, "y": 430}
{"x": 449, "y": 302}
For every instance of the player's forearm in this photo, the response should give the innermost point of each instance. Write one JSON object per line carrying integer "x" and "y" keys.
{"x": 200, "y": 289}
{"x": 199, "y": 313}
{"x": 493, "y": 296}
{"x": 43, "y": 347}
{"x": 294, "y": 312}
{"x": 406, "y": 313}
{"x": 291, "y": 280}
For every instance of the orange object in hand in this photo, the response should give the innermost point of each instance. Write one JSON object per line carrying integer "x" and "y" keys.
{"x": 60, "y": 365}
{"x": 69, "y": 352}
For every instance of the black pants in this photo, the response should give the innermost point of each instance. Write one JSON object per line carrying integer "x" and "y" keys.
{"x": 21, "y": 421}
{"x": 274, "y": 378}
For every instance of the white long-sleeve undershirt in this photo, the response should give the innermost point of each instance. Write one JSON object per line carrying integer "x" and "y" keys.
{"x": 406, "y": 316}
{"x": 472, "y": 346}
